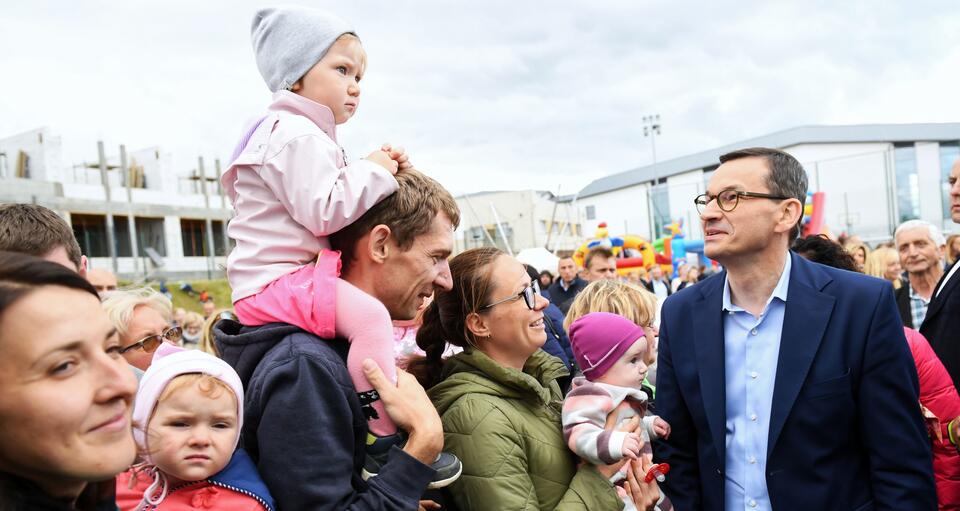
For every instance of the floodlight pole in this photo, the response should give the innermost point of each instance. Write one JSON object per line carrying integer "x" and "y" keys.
{"x": 651, "y": 128}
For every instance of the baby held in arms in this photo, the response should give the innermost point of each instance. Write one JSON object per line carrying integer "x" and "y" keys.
{"x": 609, "y": 350}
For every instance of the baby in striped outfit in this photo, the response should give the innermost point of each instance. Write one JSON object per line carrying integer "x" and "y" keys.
{"x": 609, "y": 350}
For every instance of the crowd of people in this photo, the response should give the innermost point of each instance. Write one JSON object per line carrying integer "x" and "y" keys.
{"x": 362, "y": 367}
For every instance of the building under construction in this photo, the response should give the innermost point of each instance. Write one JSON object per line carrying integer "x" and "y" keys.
{"x": 131, "y": 212}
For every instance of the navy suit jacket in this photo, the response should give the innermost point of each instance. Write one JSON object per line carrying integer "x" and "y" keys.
{"x": 942, "y": 325}
{"x": 845, "y": 426}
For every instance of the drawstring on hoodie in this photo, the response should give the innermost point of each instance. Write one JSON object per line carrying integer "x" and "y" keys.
{"x": 159, "y": 482}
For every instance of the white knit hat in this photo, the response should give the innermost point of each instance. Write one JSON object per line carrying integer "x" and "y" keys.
{"x": 169, "y": 362}
{"x": 289, "y": 40}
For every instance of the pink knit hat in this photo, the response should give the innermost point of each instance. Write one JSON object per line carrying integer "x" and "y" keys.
{"x": 599, "y": 339}
{"x": 169, "y": 362}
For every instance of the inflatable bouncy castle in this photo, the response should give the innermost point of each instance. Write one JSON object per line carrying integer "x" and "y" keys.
{"x": 632, "y": 252}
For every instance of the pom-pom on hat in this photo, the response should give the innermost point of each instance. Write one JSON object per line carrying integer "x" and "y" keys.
{"x": 599, "y": 339}
{"x": 289, "y": 40}
{"x": 169, "y": 362}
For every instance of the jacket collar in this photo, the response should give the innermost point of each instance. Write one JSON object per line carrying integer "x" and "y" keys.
{"x": 321, "y": 115}
{"x": 482, "y": 374}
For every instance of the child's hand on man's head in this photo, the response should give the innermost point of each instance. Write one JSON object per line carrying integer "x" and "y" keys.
{"x": 661, "y": 428}
{"x": 399, "y": 155}
{"x": 632, "y": 444}
{"x": 383, "y": 159}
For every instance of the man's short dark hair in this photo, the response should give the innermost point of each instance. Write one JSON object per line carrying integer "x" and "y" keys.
{"x": 601, "y": 252}
{"x": 35, "y": 230}
{"x": 786, "y": 177}
{"x": 820, "y": 249}
{"x": 408, "y": 213}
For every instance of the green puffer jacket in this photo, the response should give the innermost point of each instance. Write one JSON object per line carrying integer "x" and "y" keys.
{"x": 505, "y": 427}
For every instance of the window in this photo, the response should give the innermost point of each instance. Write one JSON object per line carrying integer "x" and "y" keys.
{"x": 150, "y": 234}
{"x": 949, "y": 154}
{"x": 91, "y": 234}
{"x": 591, "y": 212}
{"x": 218, "y": 247}
{"x": 121, "y": 236}
{"x": 908, "y": 184}
{"x": 193, "y": 233}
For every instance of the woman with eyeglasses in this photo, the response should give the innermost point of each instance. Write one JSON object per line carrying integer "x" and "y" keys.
{"x": 499, "y": 400}
{"x": 142, "y": 318}
{"x": 65, "y": 391}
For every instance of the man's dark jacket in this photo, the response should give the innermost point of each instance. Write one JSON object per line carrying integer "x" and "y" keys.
{"x": 845, "y": 431}
{"x": 564, "y": 298}
{"x": 902, "y": 295}
{"x": 303, "y": 425}
{"x": 941, "y": 326}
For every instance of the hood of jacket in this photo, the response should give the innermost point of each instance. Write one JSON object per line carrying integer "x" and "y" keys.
{"x": 243, "y": 347}
{"x": 473, "y": 372}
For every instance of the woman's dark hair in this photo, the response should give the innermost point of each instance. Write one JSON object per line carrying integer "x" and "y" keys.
{"x": 20, "y": 274}
{"x": 820, "y": 249}
{"x": 445, "y": 319}
{"x": 545, "y": 273}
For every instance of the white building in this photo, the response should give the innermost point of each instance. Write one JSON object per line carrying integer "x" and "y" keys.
{"x": 169, "y": 209}
{"x": 874, "y": 177}
{"x": 518, "y": 220}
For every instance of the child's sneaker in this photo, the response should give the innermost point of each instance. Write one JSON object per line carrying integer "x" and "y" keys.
{"x": 447, "y": 466}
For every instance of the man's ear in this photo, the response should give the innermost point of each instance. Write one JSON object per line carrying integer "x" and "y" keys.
{"x": 791, "y": 215}
{"x": 477, "y": 325}
{"x": 82, "y": 270}
{"x": 379, "y": 243}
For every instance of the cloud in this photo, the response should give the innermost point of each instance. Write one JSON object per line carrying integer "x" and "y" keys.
{"x": 492, "y": 95}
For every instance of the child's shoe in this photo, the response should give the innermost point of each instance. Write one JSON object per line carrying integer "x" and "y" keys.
{"x": 447, "y": 466}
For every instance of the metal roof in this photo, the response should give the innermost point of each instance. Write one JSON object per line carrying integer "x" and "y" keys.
{"x": 814, "y": 134}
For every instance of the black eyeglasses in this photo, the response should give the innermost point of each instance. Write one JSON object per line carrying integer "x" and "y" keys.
{"x": 529, "y": 295}
{"x": 150, "y": 343}
{"x": 727, "y": 200}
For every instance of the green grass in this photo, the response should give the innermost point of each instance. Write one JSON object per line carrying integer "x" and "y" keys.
{"x": 219, "y": 290}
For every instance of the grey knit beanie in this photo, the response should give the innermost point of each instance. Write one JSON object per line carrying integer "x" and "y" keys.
{"x": 289, "y": 40}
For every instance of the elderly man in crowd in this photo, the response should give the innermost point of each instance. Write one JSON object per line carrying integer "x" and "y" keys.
{"x": 942, "y": 322}
{"x": 787, "y": 384}
{"x": 920, "y": 245}
{"x": 304, "y": 426}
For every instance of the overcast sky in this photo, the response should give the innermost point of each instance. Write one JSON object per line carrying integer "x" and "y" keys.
{"x": 493, "y": 94}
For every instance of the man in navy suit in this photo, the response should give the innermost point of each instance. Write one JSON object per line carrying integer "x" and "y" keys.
{"x": 942, "y": 323}
{"x": 787, "y": 384}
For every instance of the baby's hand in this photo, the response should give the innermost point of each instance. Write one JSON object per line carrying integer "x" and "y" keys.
{"x": 661, "y": 428}
{"x": 383, "y": 159}
{"x": 632, "y": 444}
{"x": 398, "y": 155}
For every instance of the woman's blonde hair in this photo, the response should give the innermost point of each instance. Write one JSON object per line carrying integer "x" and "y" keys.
{"x": 877, "y": 261}
{"x": 951, "y": 254}
{"x": 206, "y": 344}
{"x": 628, "y": 300}
{"x": 119, "y": 306}
{"x": 852, "y": 248}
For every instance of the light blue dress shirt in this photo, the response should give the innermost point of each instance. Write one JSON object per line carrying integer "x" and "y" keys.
{"x": 751, "y": 349}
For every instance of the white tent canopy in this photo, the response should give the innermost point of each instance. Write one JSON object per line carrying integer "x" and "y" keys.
{"x": 540, "y": 258}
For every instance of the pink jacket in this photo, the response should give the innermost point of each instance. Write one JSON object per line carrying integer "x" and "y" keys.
{"x": 938, "y": 395}
{"x": 291, "y": 188}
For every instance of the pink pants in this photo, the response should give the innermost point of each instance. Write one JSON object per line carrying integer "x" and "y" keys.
{"x": 315, "y": 299}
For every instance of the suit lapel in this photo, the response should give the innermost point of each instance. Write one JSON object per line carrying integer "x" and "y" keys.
{"x": 804, "y": 323}
{"x": 708, "y": 346}
{"x": 937, "y": 302}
